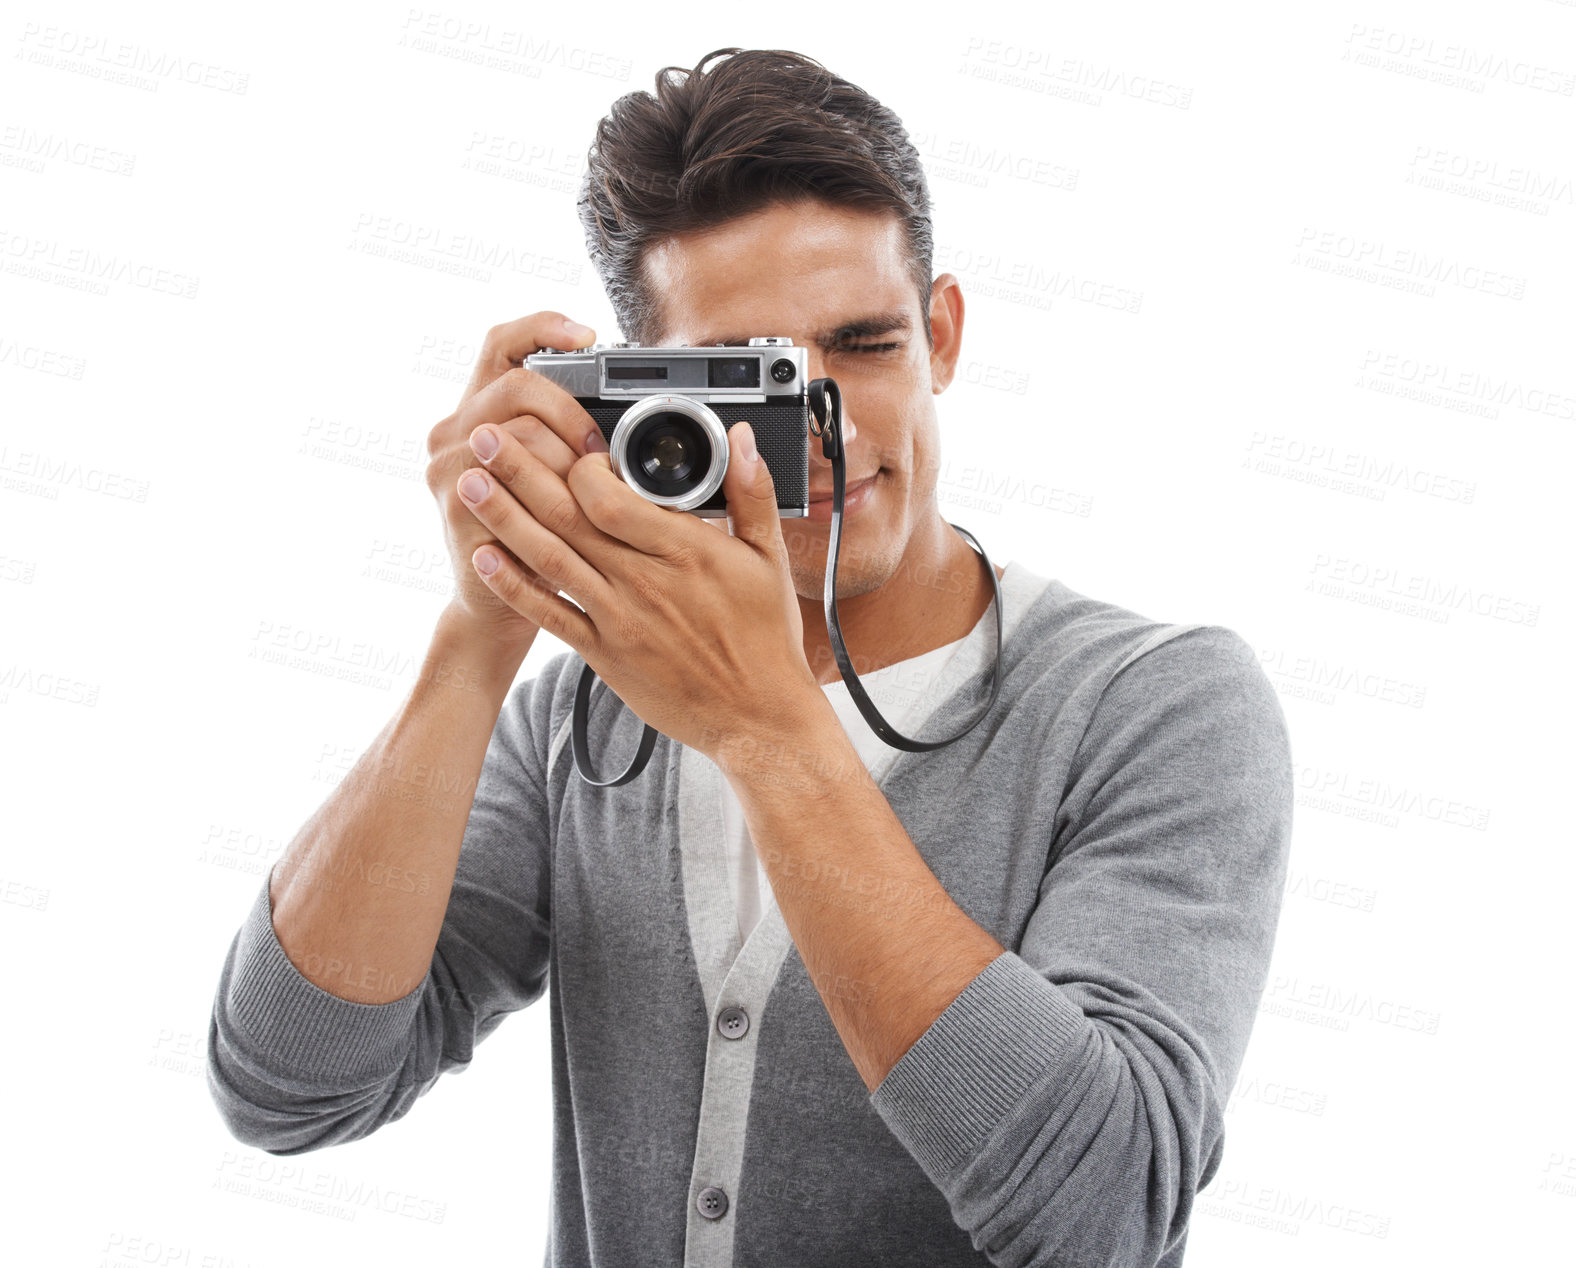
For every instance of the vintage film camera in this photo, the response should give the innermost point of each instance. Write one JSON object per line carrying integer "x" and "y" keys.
{"x": 664, "y": 413}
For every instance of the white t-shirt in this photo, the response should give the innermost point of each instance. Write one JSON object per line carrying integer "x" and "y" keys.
{"x": 896, "y": 690}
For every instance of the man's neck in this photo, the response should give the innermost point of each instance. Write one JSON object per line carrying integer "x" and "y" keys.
{"x": 937, "y": 595}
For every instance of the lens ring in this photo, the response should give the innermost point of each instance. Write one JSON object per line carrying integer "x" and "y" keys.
{"x": 711, "y": 428}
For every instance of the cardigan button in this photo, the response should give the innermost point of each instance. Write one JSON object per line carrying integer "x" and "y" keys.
{"x": 733, "y": 1022}
{"x": 712, "y": 1202}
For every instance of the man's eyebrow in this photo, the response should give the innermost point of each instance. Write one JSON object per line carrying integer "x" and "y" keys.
{"x": 859, "y": 328}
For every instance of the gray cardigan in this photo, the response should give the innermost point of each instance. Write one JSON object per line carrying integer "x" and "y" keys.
{"x": 1120, "y": 822}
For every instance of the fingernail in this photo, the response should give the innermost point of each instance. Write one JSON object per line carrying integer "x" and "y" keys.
{"x": 485, "y": 442}
{"x": 575, "y": 330}
{"x": 474, "y": 487}
{"x": 747, "y": 443}
{"x": 486, "y": 562}
{"x": 594, "y": 441}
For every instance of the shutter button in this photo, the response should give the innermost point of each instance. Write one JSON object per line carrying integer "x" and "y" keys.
{"x": 733, "y": 1022}
{"x": 712, "y": 1202}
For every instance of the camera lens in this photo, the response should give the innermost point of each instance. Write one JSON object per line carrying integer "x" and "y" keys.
{"x": 671, "y": 449}
{"x": 669, "y": 454}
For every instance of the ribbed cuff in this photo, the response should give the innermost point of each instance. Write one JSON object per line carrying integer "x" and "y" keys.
{"x": 305, "y": 1031}
{"x": 1005, "y": 1031}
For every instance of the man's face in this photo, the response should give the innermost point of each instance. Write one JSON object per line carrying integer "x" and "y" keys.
{"x": 811, "y": 271}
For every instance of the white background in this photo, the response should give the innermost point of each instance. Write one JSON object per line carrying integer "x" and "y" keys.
{"x": 1268, "y": 325}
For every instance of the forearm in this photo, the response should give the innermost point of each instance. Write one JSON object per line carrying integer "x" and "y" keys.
{"x": 360, "y": 894}
{"x": 885, "y": 944}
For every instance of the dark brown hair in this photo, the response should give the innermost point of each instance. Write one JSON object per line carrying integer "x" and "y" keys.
{"x": 762, "y": 126}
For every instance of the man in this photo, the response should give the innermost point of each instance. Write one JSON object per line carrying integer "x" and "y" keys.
{"x": 814, "y": 1000}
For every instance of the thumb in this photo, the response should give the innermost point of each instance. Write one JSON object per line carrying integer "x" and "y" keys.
{"x": 751, "y": 496}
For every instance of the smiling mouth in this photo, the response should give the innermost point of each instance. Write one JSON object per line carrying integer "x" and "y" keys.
{"x": 847, "y": 490}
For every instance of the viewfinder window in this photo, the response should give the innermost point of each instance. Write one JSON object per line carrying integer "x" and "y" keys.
{"x": 734, "y": 372}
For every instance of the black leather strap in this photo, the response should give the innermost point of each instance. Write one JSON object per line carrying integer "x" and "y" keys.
{"x": 826, "y": 403}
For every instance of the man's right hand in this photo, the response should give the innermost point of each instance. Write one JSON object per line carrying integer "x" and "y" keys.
{"x": 545, "y": 418}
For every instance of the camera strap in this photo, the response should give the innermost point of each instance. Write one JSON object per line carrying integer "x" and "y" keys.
{"x": 826, "y": 404}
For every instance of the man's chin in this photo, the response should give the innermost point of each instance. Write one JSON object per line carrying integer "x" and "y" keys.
{"x": 857, "y": 572}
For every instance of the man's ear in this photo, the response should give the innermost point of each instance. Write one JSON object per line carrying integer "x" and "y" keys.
{"x": 946, "y": 331}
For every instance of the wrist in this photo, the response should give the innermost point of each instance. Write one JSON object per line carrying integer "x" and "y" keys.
{"x": 469, "y": 654}
{"x": 802, "y": 754}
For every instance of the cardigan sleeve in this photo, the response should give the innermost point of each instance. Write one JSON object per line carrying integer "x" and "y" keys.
{"x": 1069, "y": 1102}
{"x": 294, "y": 1068}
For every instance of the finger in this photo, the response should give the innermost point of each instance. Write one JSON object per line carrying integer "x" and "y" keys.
{"x": 531, "y": 511}
{"x": 752, "y": 497}
{"x": 530, "y": 598}
{"x": 533, "y": 434}
{"x": 546, "y": 498}
{"x": 624, "y": 516}
{"x": 520, "y": 393}
{"x": 507, "y": 346}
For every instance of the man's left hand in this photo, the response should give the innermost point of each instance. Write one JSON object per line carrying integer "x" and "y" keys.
{"x": 697, "y": 631}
